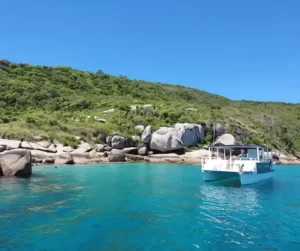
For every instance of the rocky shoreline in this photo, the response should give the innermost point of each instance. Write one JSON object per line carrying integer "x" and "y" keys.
{"x": 165, "y": 145}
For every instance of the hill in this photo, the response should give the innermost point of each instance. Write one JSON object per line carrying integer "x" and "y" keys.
{"x": 65, "y": 104}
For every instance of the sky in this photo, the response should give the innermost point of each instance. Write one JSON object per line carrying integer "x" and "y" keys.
{"x": 240, "y": 49}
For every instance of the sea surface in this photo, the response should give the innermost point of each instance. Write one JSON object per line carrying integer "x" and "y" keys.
{"x": 147, "y": 207}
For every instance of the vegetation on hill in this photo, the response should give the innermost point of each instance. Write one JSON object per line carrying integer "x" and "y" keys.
{"x": 64, "y": 104}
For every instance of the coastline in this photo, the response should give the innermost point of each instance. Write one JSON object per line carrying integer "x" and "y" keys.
{"x": 18, "y": 158}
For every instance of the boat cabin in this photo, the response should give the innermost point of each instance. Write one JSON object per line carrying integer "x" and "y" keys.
{"x": 240, "y": 152}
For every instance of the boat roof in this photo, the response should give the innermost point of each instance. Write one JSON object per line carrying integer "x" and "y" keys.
{"x": 239, "y": 146}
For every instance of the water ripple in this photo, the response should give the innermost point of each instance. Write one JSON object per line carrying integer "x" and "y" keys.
{"x": 147, "y": 207}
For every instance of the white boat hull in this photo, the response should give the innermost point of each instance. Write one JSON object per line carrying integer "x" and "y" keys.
{"x": 217, "y": 175}
{"x": 245, "y": 178}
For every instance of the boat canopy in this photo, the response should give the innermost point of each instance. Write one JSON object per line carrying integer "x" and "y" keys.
{"x": 239, "y": 146}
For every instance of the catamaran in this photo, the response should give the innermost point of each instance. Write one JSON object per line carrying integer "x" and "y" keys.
{"x": 248, "y": 163}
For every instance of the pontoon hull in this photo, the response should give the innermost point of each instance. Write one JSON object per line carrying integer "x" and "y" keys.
{"x": 218, "y": 175}
{"x": 245, "y": 178}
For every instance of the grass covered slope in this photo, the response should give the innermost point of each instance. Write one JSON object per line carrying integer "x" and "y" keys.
{"x": 62, "y": 103}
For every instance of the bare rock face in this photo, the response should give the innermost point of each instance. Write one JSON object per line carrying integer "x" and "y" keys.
{"x": 190, "y": 134}
{"x": 130, "y": 150}
{"x": 44, "y": 144}
{"x": 100, "y": 147}
{"x": 10, "y": 144}
{"x": 108, "y": 140}
{"x": 64, "y": 159}
{"x": 166, "y": 139}
{"x": 116, "y": 155}
{"x": 226, "y": 139}
{"x": 16, "y": 162}
{"x": 107, "y": 148}
{"x": 68, "y": 149}
{"x": 118, "y": 142}
{"x": 146, "y": 135}
{"x": 143, "y": 151}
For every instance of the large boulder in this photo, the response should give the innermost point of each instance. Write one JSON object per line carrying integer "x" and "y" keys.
{"x": 118, "y": 142}
{"x": 166, "y": 139}
{"x": 63, "y": 159}
{"x": 130, "y": 150}
{"x": 100, "y": 147}
{"x": 225, "y": 139}
{"x": 146, "y": 135}
{"x": 198, "y": 154}
{"x": 108, "y": 140}
{"x": 190, "y": 134}
{"x": 68, "y": 149}
{"x": 44, "y": 144}
{"x": 82, "y": 148}
{"x": 10, "y": 144}
{"x": 143, "y": 151}
{"x": 16, "y": 163}
{"x": 116, "y": 155}
{"x": 35, "y": 146}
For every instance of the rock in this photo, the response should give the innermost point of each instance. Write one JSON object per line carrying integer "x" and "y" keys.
{"x": 44, "y": 144}
{"x": 108, "y": 111}
{"x": 67, "y": 149}
{"x": 139, "y": 128}
{"x": 82, "y": 148}
{"x": 118, "y": 142}
{"x": 55, "y": 148}
{"x": 38, "y": 154}
{"x": 16, "y": 162}
{"x": 3, "y": 148}
{"x": 135, "y": 138}
{"x": 199, "y": 154}
{"x": 55, "y": 142}
{"x": 86, "y": 146}
{"x": 190, "y": 134}
{"x": 190, "y": 109}
{"x": 107, "y": 148}
{"x": 134, "y": 158}
{"x": 10, "y": 144}
{"x": 146, "y": 135}
{"x": 49, "y": 160}
{"x": 116, "y": 155}
{"x": 39, "y": 138}
{"x": 35, "y": 146}
{"x": 133, "y": 108}
{"x": 130, "y": 150}
{"x": 165, "y": 155}
{"x": 166, "y": 139}
{"x": 143, "y": 151}
{"x": 108, "y": 140}
{"x": 100, "y": 148}
{"x": 63, "y": 159}
{"x": 225, "y": 139}
{"x": 101, "y": 120}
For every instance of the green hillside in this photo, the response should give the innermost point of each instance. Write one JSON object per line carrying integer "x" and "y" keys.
{"x": 62, "y": 103}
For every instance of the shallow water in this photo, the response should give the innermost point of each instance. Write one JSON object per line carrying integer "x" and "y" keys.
{"x": 147, "y": 207}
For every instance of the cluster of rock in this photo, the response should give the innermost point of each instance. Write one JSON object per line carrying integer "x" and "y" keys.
{"x": 163, "y": 145}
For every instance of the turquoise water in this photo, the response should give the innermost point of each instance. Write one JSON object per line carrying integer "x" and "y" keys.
{"x": 147, "y": 207}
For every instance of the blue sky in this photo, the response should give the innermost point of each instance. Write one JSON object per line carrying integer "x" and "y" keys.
{"x": 241, "y": 49}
